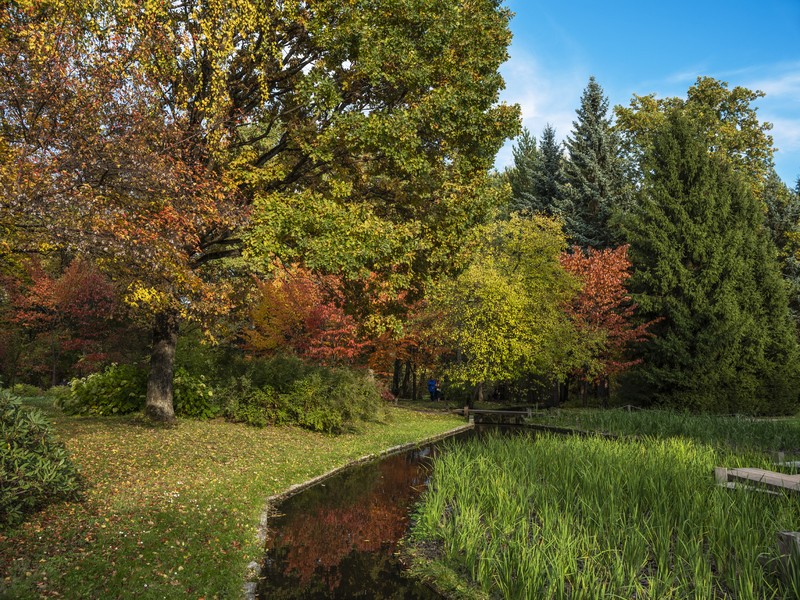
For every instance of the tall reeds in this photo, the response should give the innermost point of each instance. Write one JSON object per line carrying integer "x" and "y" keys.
{"x": 732, "y": 431}
{"x": 556, "y": 517}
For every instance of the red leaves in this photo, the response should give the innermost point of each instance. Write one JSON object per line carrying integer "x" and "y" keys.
{"x": 604, "y": 304}
{"x": 64, "y": 321}
{"x": 80, "y": 298}
{"x": 302, "y": 313}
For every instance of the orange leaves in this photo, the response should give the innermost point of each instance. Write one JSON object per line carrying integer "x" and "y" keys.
{"x": 303, "y": 313}
{"x": 604, "y": 305}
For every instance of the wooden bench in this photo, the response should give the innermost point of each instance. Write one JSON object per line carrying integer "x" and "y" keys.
{"x": 769, "y": 479}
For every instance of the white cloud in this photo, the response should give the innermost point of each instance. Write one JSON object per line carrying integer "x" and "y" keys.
{"x": 544, "y": 97}
{"x": 785, "y": 132}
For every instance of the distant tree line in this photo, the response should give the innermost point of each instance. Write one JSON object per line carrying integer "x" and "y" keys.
{"x": 688, "y": 187}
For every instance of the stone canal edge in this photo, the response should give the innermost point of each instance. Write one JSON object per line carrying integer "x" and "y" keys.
{"x": 254, "y": 568}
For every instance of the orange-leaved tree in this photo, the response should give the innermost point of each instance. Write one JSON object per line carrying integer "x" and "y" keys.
{"x": 181, "y": 144}
{"x": 302, "y": 313}
{"x": 604, "y": 310}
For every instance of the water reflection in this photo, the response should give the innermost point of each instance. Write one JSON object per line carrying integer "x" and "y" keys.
{"x": 338, "y": 539}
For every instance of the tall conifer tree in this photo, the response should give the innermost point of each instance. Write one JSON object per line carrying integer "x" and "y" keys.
{"x": 538, "y": 174}
{"x": 595, "y": 185}
{"x": 521, "y": 176}
{"x": 783, "y": 221}
{"x": 705, "y": 264}
{"x": 549, "y": 176}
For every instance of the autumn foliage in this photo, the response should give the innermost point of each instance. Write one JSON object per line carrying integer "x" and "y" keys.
{"x": 302, "y": 313}
{"x": 64, "y": 321}
{"x": 604, "y": 308}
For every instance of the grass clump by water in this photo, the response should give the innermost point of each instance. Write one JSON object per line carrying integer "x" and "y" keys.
{"x": 721, "y": 431}
{"x": 173, "y": 512}
{"x": 555, "y": 517}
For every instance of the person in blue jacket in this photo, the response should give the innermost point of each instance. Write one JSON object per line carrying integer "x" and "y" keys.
{"x": 432, "y": 389}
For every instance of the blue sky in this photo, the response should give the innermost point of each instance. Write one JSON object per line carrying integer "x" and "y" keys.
{"x": 655, "y": 47}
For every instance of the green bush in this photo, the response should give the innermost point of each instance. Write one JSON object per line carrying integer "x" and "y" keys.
{"x": 35, "y": 469}
{"x": 279, "y": 372}
{"x": 59, "y": 393}
{"x": 193, "y": 397}
{"x": 331, "y": 400}
{"x": 245, "y": 403}
{"x": 121, "y": 389}
{"x": 328, "y": 400}
{"x": 118, "y": 390}
{"x": 312, "y": 404}
{"x": 26, "y": 390}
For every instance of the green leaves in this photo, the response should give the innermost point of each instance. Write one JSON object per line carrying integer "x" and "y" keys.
{"x": 705, "y": 264}
{"x": 504, "y": 311}
{"x": 35, "y": 469}
{"x": 725, "y": 117}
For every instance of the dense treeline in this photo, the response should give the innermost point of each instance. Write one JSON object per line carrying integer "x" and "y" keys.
{"x": 267, "y": 184}
{"x": 687, "y": 186}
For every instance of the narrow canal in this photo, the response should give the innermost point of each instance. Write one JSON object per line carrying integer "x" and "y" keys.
{"x": 338, "y": 539}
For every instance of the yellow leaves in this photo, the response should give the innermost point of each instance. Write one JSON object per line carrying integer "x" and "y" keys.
{"x": 138, "y": 295}
{"x": 504, "y": 310}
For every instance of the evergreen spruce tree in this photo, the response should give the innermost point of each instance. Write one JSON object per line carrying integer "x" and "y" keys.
{"x": 549, "y": 176}
{"x": 595, "y": 186}
{"x": 521, "y": 176}
{"x": 537, "y": 175}
{"x": 705, "y": 264}
{"x": 783, "y": 222}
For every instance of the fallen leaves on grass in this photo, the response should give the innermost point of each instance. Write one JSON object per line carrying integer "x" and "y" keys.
{"x": 174, "y": 511}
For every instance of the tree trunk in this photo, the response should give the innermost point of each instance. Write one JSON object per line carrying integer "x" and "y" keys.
{"x": 404, "y": 387}
{"x": 159, "y": 405}
{"x": 398, "y": 365}
{"x": 415, "y": 391}
{"x": 477, "y": 396}
{"x": 54, "y": 372}
{"x": 556, "y": 396}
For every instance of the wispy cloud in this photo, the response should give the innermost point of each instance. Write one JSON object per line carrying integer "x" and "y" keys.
{"x": 544, "y": 97}
{"x": 781, "y": 83}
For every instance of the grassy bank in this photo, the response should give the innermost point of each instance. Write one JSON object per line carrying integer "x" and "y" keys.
{"x": 721, "y": 431}
{"x": 173, "y": 513}
{"x": 558, "y": 517}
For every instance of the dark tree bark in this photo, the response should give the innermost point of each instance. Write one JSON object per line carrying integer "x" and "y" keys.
{"x": 414, "y": 390}
{"x": 398, "y": 367}
{"x": 159, "y": 406}
{"x": 54, "y": 371}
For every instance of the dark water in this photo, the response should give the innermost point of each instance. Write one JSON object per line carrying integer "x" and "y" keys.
{"x": 338, "y": 539}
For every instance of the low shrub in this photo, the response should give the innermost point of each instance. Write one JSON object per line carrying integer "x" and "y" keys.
{"x": 122, "y": 389}
{"x": 245, "y": 403}
{"x": 279, "y": 372}
{"x": 35, "y": 469}
{"x": 26, "y": 390}
{"x": 193, "y": 397}
{"x": 327, "y": 400}
{"x": 313, "y": 406}
{"x": 118, "y": 390}
{"x": 331, "y": 400}
{"x": 59, "y": 393}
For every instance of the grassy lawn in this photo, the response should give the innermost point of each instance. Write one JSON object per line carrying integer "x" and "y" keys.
{"x": 570, "y": 517}
{"x": 173, "y": 513}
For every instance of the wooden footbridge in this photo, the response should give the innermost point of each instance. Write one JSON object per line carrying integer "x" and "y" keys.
{"x": 771, "y": 480}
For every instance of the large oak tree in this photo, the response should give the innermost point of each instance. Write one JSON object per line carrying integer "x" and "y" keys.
{"x": 182, "y": 143}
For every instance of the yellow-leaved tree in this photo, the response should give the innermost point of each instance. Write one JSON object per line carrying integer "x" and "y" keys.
{"x": 503, "y": 315}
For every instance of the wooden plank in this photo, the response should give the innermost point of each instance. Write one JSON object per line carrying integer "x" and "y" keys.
{"x": 767, "y": 478}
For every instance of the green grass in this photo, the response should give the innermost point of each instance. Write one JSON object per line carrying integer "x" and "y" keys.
{"x": 173, "y": 513}
{"x": 734, "y": 432}
{"x": 569, "y": 517}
